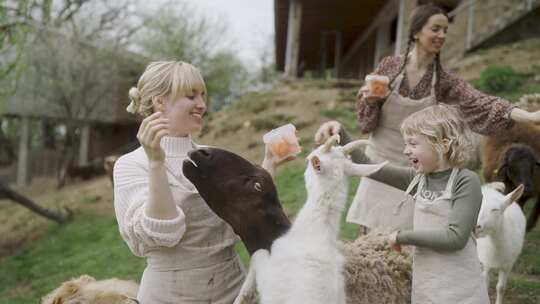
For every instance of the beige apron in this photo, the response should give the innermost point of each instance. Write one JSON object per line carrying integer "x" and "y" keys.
{"x": 374, "y": 203}
{"x": 203, "y": 267}
{"x": 443, "y": 277}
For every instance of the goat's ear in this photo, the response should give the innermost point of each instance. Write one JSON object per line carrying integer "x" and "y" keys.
{"x": 514, "y": 195}
{"x": 353, "y": 145}
{"x": 363, "y": 170}
{"x": 499, "y": 186}
{"x": 330, "y": 142}
{"x": 316, "y": 163}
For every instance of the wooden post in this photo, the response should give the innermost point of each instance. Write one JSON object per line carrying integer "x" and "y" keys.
{"x": 83, "y": 147}
{"x": 337, "y": 53}
{"x": 324, "y": 53}
{"x": 470, "y": 25}
{"x": 23, "y": 172}
{"x": 400, "y": 27}
{"x": 293, "y": 38}
{"x": 382, "y": 39}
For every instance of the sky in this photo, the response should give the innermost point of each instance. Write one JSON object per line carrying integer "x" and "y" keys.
{"x": 251, "y": 23}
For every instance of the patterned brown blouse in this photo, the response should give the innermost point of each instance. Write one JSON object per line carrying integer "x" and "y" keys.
{"x": 485, "y": 114}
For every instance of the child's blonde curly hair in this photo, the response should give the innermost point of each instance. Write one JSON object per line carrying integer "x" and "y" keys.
{"x": 164, "y": 78}
{"x": 444, "y": 129}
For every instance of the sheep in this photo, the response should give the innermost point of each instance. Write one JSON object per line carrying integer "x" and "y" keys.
{"x": 86, "y": 290}
{"x": 500, "y": 230}
{"x": 248, "y": 201}
{"x": 514, "y": 159}
{"x": 375, "y": 273}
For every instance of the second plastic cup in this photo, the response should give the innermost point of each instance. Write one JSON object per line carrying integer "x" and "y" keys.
{"x": 282, "y": 141}
{"x": 377, "y": 85}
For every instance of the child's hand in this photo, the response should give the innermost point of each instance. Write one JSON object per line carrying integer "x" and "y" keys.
{"x": 392, "y": 241}
{"x": 326, "y": 130}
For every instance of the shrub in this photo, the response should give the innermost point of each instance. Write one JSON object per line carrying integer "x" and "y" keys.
{"x": 496, "y": 79}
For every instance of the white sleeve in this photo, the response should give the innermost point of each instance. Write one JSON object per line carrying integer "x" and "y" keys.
{"x": 141, "y": 233}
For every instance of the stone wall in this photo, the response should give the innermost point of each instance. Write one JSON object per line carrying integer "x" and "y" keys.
{"x": 490, "y": 18}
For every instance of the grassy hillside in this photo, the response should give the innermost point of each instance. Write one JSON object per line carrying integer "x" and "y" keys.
{"x": 305, "y": 103}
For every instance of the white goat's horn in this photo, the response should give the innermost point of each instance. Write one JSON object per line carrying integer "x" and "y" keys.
{"x": 353, "y": 145}
{"x": 330, "y": 142}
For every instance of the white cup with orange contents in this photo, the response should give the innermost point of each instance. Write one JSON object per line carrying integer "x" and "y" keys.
{"x": 282, "y": 142}
{"x": 377, "y": 85}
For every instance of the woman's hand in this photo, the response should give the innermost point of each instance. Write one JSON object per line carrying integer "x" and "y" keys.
{"x": 392, "y": 241}
{"x": 271, "y": 161}
{"x": 363, "y": 96}
{"x": 152, "y": 129}
{"x": 326, "y": 130}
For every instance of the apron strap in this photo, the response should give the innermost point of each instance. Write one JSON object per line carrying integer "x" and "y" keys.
{"x": 434, "y": 80}
{"x": 396, "y": 83}
{"x": 450, "y": 184}
{"x": 417, "y": 179}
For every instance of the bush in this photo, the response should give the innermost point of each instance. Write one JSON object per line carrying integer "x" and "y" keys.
{"x": 496, "y": 79}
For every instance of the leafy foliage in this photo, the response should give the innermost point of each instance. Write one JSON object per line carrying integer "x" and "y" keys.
{"x": 497, "y": 79}
{"x": 176, "y": 32}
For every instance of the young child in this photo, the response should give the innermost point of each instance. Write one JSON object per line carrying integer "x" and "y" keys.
{"x": 447, "y": 202}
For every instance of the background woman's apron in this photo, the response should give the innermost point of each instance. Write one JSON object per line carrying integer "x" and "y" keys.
{"x": 443, "y": 277}
{"x": 203, "y": 267}
{"x": 374, "y": 203}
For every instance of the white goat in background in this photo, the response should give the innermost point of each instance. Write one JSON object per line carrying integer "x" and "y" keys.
{"x": 500, "y": 230}
{"x": 305, "y": 265}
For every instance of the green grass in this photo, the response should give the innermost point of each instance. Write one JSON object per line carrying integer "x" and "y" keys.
{"x": 90, "y": 245}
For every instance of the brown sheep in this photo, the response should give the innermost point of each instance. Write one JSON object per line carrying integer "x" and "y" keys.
{"x": 513, "y": 159}
{"x": 86, "y": 290}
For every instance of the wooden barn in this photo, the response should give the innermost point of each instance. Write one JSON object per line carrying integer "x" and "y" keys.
{"x": 346, "y": 39}
{"x": 69, "y": 106}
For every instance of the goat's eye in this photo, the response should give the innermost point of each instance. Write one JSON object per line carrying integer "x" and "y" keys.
{"x": 495, "y": 210}
{"x": 257, "y": 187}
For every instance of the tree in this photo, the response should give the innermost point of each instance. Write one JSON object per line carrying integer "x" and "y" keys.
{"x": 59, "y": 217}
{"x": 176, "y": 31}
{"x": 62, "y": 56}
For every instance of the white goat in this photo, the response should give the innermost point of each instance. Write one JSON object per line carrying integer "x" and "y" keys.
{"x": 305, "y": 265}
{"x": 500, "y": 230}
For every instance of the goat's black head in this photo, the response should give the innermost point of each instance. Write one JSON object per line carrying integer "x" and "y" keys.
{"x": 518, "y": 167}
{"x": 240, "y": 193}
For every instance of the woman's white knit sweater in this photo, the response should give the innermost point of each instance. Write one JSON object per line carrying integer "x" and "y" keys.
{"x": 141, "y": 232}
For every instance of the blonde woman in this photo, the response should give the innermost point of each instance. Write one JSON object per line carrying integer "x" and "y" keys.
{"x": 447, "y": 200}
{"x": 189, "y": 250}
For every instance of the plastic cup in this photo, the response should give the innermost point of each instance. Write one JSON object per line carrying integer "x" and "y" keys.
{"x": 377, "y": 85}
{"x": 282, "y": 141}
